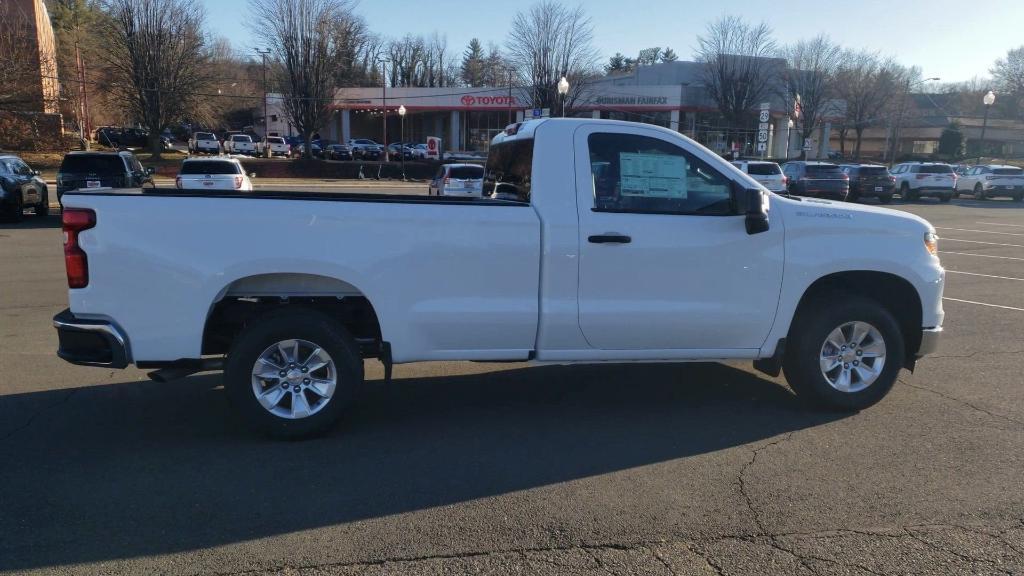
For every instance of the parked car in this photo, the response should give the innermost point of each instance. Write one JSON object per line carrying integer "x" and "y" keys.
{"x": 122, "y": 137}
{"x": 316, "y": 150}
{"x": 817, "y": 179}
{"x": 419, "y": 151}
{"x": 673, "y": 254}
{"x": 338, "y": 152}
{"x": 869, "y": 181}
{"x": 221, "y": 173}
{"x": 88, "y": 170}
{"x": 240, "y": 144}
{"x": 992, "y": 180}
{"x": 363, "y": 149}
{"x": 768, "y": 174}
{"x": 204, "y": 142}
{"x": 21, "y": 186}
{"x": 276, "y": 145}
{"x": 457, "y": 180}
{"x": 400, "y": 151}
{"x": 917, "y": 179}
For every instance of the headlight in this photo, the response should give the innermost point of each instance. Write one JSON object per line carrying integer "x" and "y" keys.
{"x": 931, "y": 243}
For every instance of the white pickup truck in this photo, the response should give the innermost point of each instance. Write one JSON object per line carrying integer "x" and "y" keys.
{"x": 240, "y": 144}
{"x": 596, "y": 241}
{"x": 276, "y": 145}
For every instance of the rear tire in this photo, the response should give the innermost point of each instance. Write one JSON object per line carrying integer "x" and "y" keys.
{"x": 1018, "y": 197}
{"x": 946, "y": 197}
{"x": 872, "y": 336}
{"x": 284, "y": 418}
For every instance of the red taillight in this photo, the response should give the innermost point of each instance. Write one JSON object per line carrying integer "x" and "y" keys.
{"x": 785, "y": 179}
{"x": 177, "y": 182}
{"x": 238, "y": 182}
{"x": 447, "y": 180}
{"x": 75, "y": 220}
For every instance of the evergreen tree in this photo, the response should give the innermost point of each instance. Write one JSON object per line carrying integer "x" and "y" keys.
{"x": 474, "y": 65}
{"x": 669, "y": 55}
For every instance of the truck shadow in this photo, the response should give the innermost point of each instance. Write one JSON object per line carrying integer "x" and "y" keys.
{"x": 121, "y": 471}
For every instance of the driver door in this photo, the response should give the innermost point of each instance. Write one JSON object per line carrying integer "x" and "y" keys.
{"x": 665, "y": 259}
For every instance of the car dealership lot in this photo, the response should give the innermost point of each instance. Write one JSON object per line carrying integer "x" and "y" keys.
{"x": 458, "y": 467}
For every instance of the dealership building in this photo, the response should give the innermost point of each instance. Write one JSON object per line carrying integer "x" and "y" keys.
{"x": 466, "y": 119}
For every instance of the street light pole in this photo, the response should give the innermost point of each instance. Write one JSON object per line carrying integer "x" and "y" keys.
{"x": 563, "y": 89}
{"x": 789, "y": 136}
{"x": 988, "y": 101}
{"x": 401, "y": 138}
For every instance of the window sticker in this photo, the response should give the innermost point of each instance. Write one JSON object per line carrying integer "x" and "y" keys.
{"x": 652, "y": 175}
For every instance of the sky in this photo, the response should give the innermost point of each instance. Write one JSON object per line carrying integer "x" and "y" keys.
{"x": 950, "y": 39}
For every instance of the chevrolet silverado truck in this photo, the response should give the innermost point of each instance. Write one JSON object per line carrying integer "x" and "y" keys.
{"x": 595, "y": 241}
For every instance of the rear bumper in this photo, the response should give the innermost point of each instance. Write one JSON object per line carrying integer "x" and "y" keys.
{"x": 933, "y": 190}
{"x": 929, "y": 341}
{"x": 90, "y": 342}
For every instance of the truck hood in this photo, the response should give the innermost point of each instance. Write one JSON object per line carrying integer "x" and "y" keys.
{"x": 818, "y": 213}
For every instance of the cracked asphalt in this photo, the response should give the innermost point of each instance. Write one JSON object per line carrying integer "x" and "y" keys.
{"x": 460, "y": 468}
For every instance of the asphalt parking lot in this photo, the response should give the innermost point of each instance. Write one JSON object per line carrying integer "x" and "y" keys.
{"x": 510, "y": 469}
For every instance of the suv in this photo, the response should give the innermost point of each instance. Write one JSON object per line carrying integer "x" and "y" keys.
{"x": 991, "y": 181}
{"x": 768, "y": 174}
{"x": 818, "y": 179}
{"x": 364, "y": 149}
{"x": 917, "y": 179}
{"x": 101, "y": 170}
{"x": 21, "y": 186}
{"x": 869, "y": 180}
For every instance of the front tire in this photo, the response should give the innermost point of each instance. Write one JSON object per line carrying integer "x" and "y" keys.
{"x": 291, "y": 373}
{"x": 979, "y": 192}
{"x": 43, "y": 208}
{"x": 844, "y": 352}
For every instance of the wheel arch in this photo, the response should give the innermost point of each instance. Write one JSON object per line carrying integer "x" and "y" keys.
{"x": 246, "y": 298}
{"x": 895, "y": 293}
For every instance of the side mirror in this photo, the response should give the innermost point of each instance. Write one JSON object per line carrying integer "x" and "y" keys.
{"x": 252, "y": 174}
{"x": 150, "y": 170}
{"x": 35, "y": 172}
{"x": 752, "y": 202}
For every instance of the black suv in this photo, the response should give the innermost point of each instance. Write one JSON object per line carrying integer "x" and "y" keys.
{"x": 868, "y": 180}
{"x": 21, "y": 186}
{"x": 101, "y": 170}
{"x": 818, "y": 179}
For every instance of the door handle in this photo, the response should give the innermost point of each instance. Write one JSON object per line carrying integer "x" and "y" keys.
{"x": 609, "y": 239}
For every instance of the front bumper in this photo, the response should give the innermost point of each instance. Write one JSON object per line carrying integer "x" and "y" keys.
{"x": 929, "y": 341}
{"x": 90, "y": 342}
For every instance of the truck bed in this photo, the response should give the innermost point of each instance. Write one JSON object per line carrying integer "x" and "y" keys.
{"x": 441, "y": 273}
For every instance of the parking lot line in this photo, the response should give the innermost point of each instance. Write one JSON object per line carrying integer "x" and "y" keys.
{"x": 981, "y": 231}
{"x": 948, "y": 271}
{"x": 983, "y": 304}
{"x": 980, "y": 242}
{"x": 980, "y": 255}
{"x": 998, "y": 224}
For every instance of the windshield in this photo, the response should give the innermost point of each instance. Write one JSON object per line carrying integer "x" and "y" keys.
{"x": 210, "y": 167}
{"x": 466, "y": 172}
{"x": 765, "y": 169}
{"x": 824, "y": 171}
{"x": 871, "y": 171}
{"x": 92, "y": 164}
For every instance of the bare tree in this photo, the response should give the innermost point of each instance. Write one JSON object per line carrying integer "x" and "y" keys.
{"x": 739, "y": 69}
{"x": 810, "y": 75}
{"x": 869, "y": 85}
{"x": 550, "y": 41}
{"x": 156, "y": 54}
{"x": 307, "y": 55}
{"x": 1008, "y": 76}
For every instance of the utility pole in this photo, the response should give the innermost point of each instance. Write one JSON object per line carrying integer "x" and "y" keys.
{"x": 266, "y": 119}
{"x": 384, "y": 105}
{"x": 509, "y": 69}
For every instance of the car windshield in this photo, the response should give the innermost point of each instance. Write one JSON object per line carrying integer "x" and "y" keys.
{"x": 763, "y": 169}
{"x": 936, "y": 169}
{"x": 240, "y": 138}
{"x": 1008, "y": 171}
{"x": 92, "y": 164}
{"x": 871, "y": 171}
{"x": 210, "y": 167}
{"x": 274, "y": 140}
{"x": 466, "y": 172}
{"x": 823, "y": 170}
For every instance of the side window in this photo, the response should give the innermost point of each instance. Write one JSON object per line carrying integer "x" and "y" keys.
{"x": 136, "y": 165}
{"x": 633, "y": 173}
{"x": 21, "y": 168}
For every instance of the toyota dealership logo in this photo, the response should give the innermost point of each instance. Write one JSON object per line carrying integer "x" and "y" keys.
{"x": 470, "y": 100}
